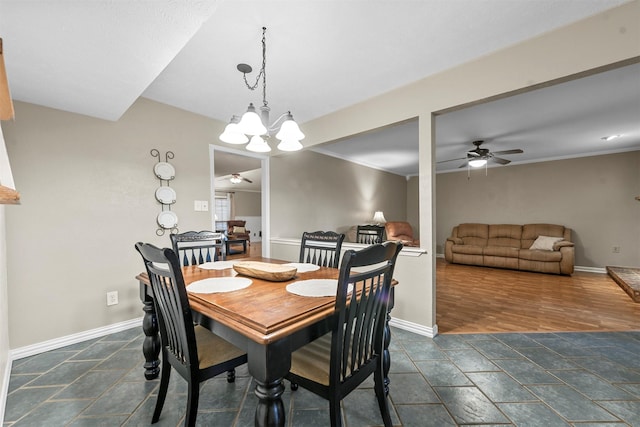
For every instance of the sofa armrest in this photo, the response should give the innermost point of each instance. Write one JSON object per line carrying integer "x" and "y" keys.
{"x": 562, "y": 244}
{"x": 568, "y": 259}
{"x": 448, "y": 252}
{"x": 455, "y": 240}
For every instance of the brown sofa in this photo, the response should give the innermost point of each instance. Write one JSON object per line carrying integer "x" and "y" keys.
{"x": 512, "y": 246}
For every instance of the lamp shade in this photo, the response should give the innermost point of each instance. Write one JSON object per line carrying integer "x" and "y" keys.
{"x": 378, "y": 217}
{"x": 290, "y": 130}
{"x": 476, "y": 163}
{"x": 251, "y": 124}
{"x": 232, "y": 133}
{"x": 258, "y": 145}
{"x": 290, "y": 145}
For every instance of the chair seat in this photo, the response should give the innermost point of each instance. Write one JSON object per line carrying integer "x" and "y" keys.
{"x": 213, "y": 350}
{"x": 312, "y": 360}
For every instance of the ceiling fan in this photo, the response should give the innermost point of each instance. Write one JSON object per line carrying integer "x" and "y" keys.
{"x": 237, "y": 179}
{"x": 480, "y": 156}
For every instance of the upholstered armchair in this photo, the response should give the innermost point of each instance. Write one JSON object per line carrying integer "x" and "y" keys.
{"x": 401, "y": 230}
{"x": 236, "y": 230}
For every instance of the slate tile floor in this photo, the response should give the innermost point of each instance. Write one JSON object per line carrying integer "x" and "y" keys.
{"x": 544, "y": 379}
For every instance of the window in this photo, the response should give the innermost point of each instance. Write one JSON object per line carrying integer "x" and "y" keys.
{"x": 222, "y": 211}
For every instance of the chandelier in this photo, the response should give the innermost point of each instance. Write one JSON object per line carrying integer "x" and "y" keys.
{"x": 254, "y": 128}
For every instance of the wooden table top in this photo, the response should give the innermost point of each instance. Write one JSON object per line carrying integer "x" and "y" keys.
{"x": 264, "y": 312}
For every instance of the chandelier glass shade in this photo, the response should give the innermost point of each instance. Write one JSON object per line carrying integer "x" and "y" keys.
{"x": 255, "y": 128}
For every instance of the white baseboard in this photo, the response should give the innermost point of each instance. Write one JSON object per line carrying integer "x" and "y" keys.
{"x": 590, "y": 269}
{"x": 56, "y": 343}
{"x": 414, "y": 327}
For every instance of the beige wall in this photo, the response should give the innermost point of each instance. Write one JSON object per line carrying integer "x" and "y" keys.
{"x": 413, "y": 201}
{"x": 87, "y": 189}
{"x": 311, "y": 191}
{"x": 248, "y": 203}
{"x": 594, "y": 196}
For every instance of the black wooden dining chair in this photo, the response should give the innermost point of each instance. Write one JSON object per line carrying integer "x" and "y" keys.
{"x": 193, "y": 351}
{"x": 198, "y": 247}
{"x": 321, "y": 248}
{"x": 369, "y": 234}
{"x": 335, "y": 364}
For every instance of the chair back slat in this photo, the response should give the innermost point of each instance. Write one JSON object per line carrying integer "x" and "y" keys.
{"x": 172, "y": 304}
{"x": 358, "y": 340}
{"x": 198, "y": 247}
{"x": 321, "y": 248}
{"x": 369, "y": 234}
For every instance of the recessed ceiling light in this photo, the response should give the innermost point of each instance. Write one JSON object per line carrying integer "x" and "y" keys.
{"x": 610, "y": 137}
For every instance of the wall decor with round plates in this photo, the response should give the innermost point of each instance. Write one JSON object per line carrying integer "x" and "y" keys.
{"x": 167, "y": 219}
{"x": 166, "y": 195}
{"x": 164, "y": 171}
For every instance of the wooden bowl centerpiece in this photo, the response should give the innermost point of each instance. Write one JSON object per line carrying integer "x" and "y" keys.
{"x": 265, "y": 270}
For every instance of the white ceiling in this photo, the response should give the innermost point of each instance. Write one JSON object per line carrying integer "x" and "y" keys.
{"x": 566, "y": 120}
{"x": 97, "y": 57}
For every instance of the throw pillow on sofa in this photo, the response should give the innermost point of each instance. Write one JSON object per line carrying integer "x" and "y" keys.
{"x": 241, "y": 230}
{"x": 545, "y": 243}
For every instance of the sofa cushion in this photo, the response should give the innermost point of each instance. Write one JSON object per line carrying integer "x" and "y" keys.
{"x": 502, "y": 251}
{"x": 467, "y": 249}
{"x": 545, "y": 243}
{"x": 530, "y": 233}
{"x": 505, "y": 235}
{"x": 474, "y": 234}
{"x": 535, "y": 255}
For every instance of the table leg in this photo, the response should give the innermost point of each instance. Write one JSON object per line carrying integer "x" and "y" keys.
{"x": 268, "y": 364}
{"x": 386, "y": 356}
{"x": 151, "y": 344}
{"x": 270, "y": 409}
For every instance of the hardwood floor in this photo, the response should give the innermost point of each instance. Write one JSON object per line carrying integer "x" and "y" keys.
{"x": 254, "y": 249}
{"x": 479, "y": 299}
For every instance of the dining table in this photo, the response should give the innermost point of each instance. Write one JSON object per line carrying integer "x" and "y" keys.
{"x": 264, "y": 319}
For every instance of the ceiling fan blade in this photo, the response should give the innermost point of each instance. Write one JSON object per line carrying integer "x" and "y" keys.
{"x": 247, "y": 179}
{"x": 514, "y": 151}
{"x": 501, "y": 161}
{"x": 473, "y": 153}
{"x": 464, "y": 165}
{"x": 451, "y": 160}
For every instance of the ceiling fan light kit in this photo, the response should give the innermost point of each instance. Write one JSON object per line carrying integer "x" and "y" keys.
{"x": 477, "y": 163}
{"x": 257, "y": 126}
{"x": 479, "y": 157}
{"x": 237, "y": 179}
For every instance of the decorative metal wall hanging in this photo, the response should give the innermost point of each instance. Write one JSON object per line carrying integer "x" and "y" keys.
{"x": 165, "y": 195}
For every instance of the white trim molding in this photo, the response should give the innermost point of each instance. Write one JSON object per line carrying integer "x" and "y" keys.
{"x": 406, "y": 251}
{"x": 590, "y": 269}
{"x": 57, "y": 343}
{"x": 414, "y": 327}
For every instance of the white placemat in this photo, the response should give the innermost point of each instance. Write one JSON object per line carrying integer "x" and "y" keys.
{"x": 219, "y": 284}
{"x": 303, "y": 267}
{"x": 217, "y": 265}
{"x": 315, "y": 288}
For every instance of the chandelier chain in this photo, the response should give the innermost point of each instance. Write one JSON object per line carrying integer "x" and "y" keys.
{"x": 262, "y": 73}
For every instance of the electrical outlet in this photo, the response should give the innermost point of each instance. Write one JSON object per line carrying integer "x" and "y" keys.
{"x": 204, "y": 205}
{"x": 112, "y": 298}
{"x": 615, "y": 249}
